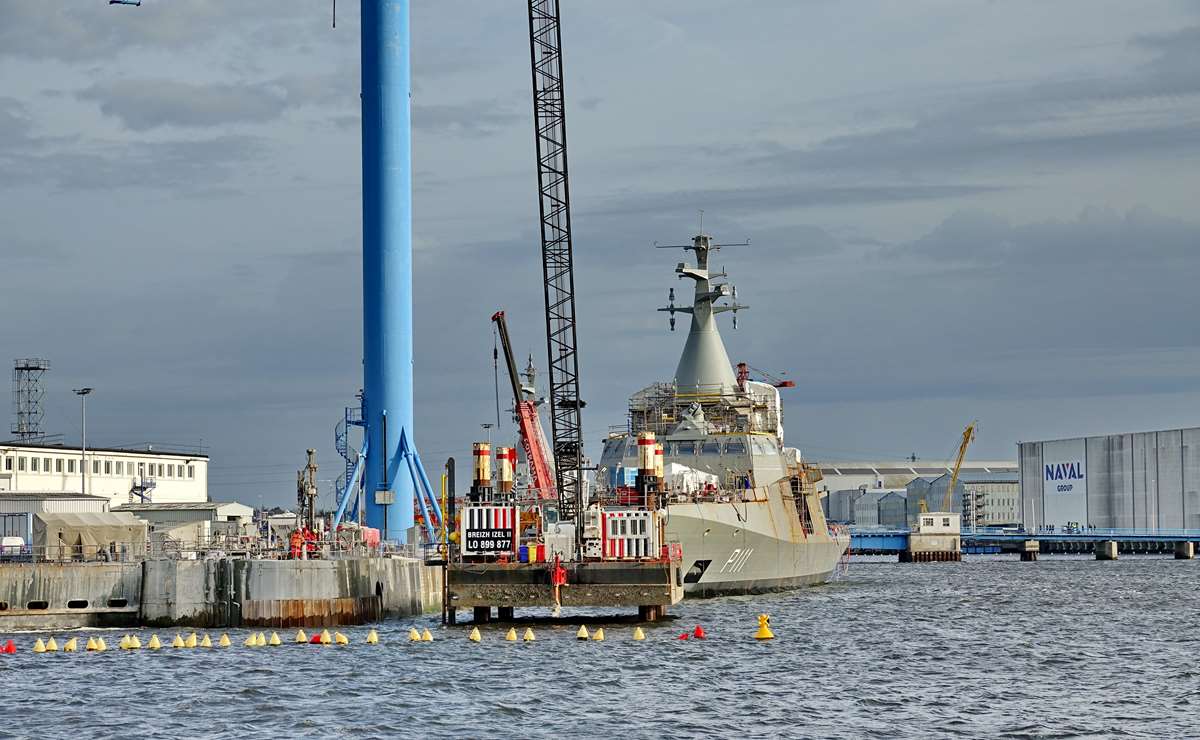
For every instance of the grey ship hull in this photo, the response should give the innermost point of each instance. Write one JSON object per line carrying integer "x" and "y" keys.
{"x": 750, "y": 547}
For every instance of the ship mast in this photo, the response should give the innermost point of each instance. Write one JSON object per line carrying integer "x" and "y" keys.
{"x": 704, "y": 366}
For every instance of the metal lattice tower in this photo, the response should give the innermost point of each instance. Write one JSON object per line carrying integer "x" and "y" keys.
{"x": 550, "y": 127}
{"x": 27, "y": 395}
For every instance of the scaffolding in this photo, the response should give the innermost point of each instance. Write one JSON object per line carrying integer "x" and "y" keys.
{"x": 661, "y": 408}
{"x": 27, "y": 395}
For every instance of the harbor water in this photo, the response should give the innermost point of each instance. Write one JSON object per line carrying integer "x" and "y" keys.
{"x": 990, "y": 647}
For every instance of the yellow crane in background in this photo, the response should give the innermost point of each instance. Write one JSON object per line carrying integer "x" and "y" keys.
{"x": 968, "y": 436}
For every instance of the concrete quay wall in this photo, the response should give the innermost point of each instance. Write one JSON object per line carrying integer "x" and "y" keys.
{"x": 215, "y": 593}
{"x": 69, "y": 595}
{"x": 287, "y": 593}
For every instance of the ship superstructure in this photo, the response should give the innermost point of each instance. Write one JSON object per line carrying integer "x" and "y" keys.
{"x": 742, "y": 505}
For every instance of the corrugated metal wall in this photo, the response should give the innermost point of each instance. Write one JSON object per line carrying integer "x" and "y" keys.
{"x": 893, "y": 510}
{"x": 1144, "y": 480}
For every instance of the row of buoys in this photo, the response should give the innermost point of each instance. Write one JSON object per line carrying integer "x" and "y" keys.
{"x": 258, "y": 639}
{"x": 414, "y": 636}
{"x": 132, "y": 642}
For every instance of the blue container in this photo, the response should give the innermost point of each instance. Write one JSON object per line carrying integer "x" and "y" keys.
{"x": 523, "y": 554}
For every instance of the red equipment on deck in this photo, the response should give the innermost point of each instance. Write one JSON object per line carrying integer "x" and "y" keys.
{"x": 533, "y": 441}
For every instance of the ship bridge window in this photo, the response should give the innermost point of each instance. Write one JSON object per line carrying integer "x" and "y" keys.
{"x": 735, "y": 447}
{"x": 685, "y": 448}
{"x": 712, "y": 447}
{"x": 762, "y": 445}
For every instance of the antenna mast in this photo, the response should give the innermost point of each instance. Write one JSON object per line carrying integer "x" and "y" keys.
{"x": 27, "y": 395}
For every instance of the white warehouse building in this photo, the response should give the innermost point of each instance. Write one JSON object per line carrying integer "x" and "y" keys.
{"x": 123, "y": 476}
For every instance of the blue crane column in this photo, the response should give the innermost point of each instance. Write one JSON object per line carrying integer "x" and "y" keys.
{"x": 387, "y": 263}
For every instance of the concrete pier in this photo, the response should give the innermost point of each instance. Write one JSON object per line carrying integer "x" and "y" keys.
{"x": 1106, "y": 550}
{"x": 1185, "y": 550}
{"x": 642, "y": 584}
{"x": 1030, "y": 550}
{"x": 215, "y": 593}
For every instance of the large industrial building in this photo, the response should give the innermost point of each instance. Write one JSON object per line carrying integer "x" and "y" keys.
{"x": 991, "y": 499}
{"x": 1142, "y": 480}
{"x": 840, "y": 476}
{"x": 123, "y": 476}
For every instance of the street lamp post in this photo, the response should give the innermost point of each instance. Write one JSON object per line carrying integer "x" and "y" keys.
{"x": 83, "y": 394}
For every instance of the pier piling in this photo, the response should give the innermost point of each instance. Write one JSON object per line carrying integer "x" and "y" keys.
{"x": 1106, "y": 550}
{"x": 1185, "y": 550}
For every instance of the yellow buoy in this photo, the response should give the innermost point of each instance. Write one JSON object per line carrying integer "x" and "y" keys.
{"x": 528, "y": 636}
{"x": 598, "y": 636}
{"x": 91, "y": 644}
{"x": 124, "y": 643}
{"x": 51, "y": 646}
{"x": 206, "y": 642}
{"x": 190, "y": 641}
{"x": 764, "y": 628}
{"x": 177, "y": 642}
{"x": 251, "y": 641}
{"x": 475, "y": 636}
{"x": 301, "y": 638}
{"x": 39, "y": 646}
{"x": 70, "y": 645}
{"x": 224, "y": 641}
{"x": 274, "y": 639}
{"x": 582, "y": 634}
{"x": 413, "y": 635}
{"x": 260, "y": 639}
{"x": 372, "y": 638}
{"x": 426, "y": 636}
{"x": 100, "y": 646}
{"x": 154, "y": 643}
{"x": 511, "y": 635}
{"x": 340, "y": 639}
{"x": 134, "y": 643}
{"x": 326, "y": 638}
{"x": 638, "y": 634}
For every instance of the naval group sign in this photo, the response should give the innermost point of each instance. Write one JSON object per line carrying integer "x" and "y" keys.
{"x": 1064, "y": 481}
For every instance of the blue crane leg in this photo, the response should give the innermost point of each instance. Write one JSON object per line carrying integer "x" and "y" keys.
{"x": 387, "y": 261}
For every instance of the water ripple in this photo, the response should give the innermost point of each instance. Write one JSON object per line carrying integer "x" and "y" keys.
{"x": 1062, "y": 648}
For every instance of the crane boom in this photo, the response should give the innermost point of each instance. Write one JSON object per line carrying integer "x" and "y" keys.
{"x": 532, "y": 440}
{"x": 554, "y": 204}
{"x": 967, "y": 437}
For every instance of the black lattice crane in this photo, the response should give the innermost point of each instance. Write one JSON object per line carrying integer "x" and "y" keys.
{"x": 554, "y": 204}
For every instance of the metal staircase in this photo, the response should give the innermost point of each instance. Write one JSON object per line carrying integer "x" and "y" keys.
{"x": 141, "y": 489}
{"x": 341, "y": 442}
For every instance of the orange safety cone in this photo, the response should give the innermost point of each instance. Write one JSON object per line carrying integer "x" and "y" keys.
{"x": 699, "y": 633}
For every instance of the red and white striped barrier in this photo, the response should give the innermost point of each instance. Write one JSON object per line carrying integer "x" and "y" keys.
{"x": 628, "y": 534}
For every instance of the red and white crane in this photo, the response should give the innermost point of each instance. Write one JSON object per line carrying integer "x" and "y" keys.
{"x": 533, "y": 440}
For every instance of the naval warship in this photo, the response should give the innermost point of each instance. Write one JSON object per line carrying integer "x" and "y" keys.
{"x": 740, "y": 504}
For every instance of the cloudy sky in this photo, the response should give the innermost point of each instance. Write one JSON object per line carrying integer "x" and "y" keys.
{"x": 958, "y": 210}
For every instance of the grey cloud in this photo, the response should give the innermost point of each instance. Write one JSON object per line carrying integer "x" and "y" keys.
{"x": 760, "y": 198}
{"x": 1059, "y": 121}
{"x": 1097, "y": 237}
{"x": 95, "y": 31}
{"x": 146, "y": 104}
{"x": 476, "y": 118}
{"x": 194, "y": 166}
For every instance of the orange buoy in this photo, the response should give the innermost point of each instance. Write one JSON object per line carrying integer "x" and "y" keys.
{"x": 698, "y": 633}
